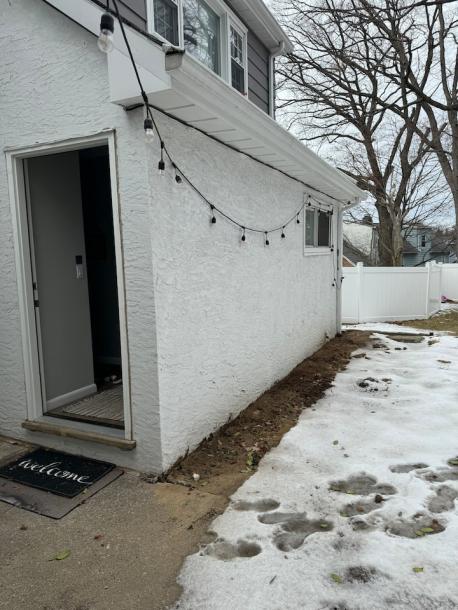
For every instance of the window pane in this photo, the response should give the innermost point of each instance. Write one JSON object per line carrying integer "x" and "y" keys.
{"x": 202, "y": 33}
{"x": 310, "y": 228}
{"x": 323, "y": 228}
{"x": 236, "y": 46}
{"x": 237, "y": 61}
{"x": 166, "y": 20}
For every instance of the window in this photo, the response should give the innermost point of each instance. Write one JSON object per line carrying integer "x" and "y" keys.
{"x": 165, "y": 17}
{"x": 209, "y": 31}
{"x": 237, "y": 59}
{"x": 317, "y": 228}
{"x": 202, "y": 33}
{"x": 423, "y": 241}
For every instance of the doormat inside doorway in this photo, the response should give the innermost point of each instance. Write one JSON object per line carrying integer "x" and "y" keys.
{"x": 59, "y": 473}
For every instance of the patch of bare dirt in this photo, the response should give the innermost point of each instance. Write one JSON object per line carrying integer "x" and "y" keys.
{"x": 230, "y": 455}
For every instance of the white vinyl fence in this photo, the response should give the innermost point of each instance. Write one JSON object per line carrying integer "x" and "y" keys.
{"x": 383, "y": 294}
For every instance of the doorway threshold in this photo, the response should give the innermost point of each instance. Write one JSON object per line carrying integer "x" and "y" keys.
{"x": 79, "y": 434}
{"x": 104, "y": 408}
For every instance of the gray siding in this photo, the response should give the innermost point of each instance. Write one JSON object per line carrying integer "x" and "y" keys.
{"x": 258, "y": 72}
{"x": 132, "y": 10}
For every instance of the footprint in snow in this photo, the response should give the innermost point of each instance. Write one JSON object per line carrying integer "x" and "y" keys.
{"x": 402, "y": 468}
{"x": 443, "y": 499}
{"x": 294, "y": 528}
{"x": 362, "y": 485}
{"x": 227, "y": 551}
{"x": 256, "y": 505}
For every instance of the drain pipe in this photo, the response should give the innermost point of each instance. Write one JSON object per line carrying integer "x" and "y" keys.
{"x": 339, "y": 275}
{"x": 273, "y": 54}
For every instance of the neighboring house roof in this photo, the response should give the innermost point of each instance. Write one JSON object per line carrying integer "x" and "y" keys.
{"x": 360, "y": 239}
{"x": 346, "y": 262}
{"x": 409, "y": 248}
{"x": 354, "y": 255}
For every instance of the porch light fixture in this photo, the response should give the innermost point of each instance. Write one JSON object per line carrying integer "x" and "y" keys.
{"x": 105, "y": 41}
{"x": 149, "y": 129}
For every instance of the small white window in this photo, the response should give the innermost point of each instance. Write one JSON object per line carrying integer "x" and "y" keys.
{"x": 317, "y": 228}
{"x": 238, "y": 58}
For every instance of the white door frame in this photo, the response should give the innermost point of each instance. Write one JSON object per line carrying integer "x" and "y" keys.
{"x": 17, "y": 190}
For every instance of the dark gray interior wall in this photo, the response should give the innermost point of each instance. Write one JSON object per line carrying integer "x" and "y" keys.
{"x": 100, "y": 256}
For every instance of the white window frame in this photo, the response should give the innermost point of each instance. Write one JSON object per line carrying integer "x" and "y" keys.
{"x": 233, "y": 22}
{"x": 227, "y": 19}
{"x": 315, "y": 249}
{"x": 151, "y": 25}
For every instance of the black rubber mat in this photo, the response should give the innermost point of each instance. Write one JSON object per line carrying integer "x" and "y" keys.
{"x": 59, "y": 473}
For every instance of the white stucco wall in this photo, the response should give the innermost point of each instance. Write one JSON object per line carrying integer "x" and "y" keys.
{"x": 233, "y": 317}
{"x": 53, "y": 83}
{"x": 212, "y": 322}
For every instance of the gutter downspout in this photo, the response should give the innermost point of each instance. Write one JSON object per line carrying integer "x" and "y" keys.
{"x": 339, "y": 276}
{"x": 273, "y": 54}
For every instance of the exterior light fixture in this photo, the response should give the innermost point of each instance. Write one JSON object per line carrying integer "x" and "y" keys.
{"x": 149, "y": 129}
{"x": 105, "y": 41}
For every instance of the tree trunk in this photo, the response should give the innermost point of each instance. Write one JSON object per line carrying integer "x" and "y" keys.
{"x": 389, "y": 239}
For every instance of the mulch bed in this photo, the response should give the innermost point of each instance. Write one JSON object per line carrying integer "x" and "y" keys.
{"x": 230, "y": 455}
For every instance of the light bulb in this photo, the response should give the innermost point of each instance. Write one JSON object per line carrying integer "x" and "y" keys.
{"x": 149, "y": 129}
{"x": 161, "y": 167}
{"x": 105, "y": 41}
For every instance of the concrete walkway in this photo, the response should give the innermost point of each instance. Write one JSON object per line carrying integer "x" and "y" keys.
{"x": 127, "y": 544}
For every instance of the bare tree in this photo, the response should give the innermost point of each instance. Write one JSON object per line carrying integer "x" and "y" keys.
{"x": 330, "y": 91}
{"x": 334, "y": 90}
{"x": 420, "y": 67}
{"x": 425, "y": 55}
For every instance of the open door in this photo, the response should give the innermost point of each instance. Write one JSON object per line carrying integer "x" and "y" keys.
{"x": 73, "y": 264}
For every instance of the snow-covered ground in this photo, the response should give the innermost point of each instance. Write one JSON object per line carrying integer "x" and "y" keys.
{"x": 355, "y": 509}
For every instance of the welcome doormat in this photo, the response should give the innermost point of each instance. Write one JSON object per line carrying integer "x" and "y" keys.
{"x": 59, "y": 473}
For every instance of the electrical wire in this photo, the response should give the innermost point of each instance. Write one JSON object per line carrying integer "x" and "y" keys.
{"x": 243, "y": 227}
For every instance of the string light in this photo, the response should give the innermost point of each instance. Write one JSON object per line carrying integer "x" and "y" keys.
{"x": 105, "y": 39}
{"x": 178, "y": 178}
{"x": 161, "y": 164}
{"x": 150, "y": 127}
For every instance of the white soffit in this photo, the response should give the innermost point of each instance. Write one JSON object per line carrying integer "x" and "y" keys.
{"x": 209, "y": 104}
